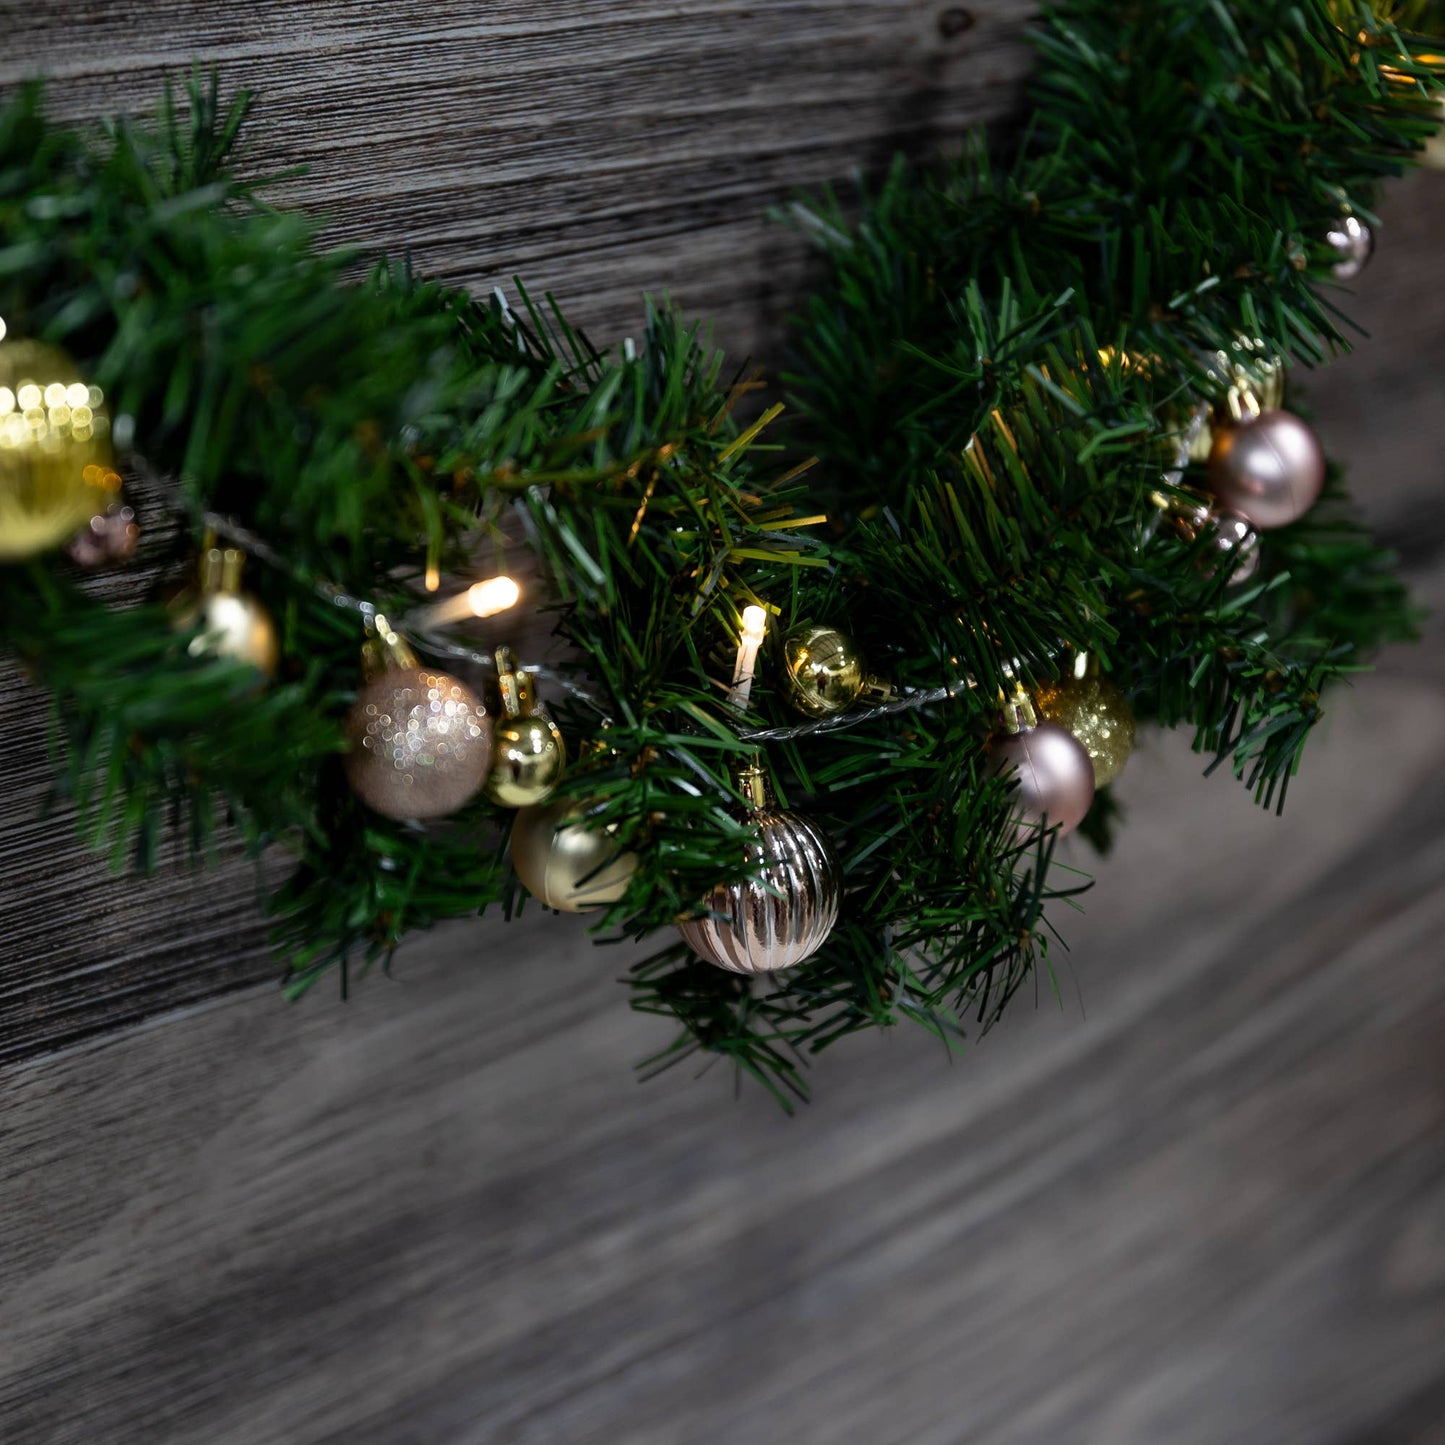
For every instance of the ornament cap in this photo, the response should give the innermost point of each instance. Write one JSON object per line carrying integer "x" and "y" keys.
{"x": 751, "y": 780}
{"x": 518, "y": 691}
{"x": 221, "y": 569}
{"x": 385, "y": 649}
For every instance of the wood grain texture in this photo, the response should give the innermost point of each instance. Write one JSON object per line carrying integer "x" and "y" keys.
{"x": 600, "y": 148}
{"x": 1208, "y": 1206}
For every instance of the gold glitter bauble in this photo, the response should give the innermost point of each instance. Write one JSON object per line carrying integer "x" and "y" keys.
{"x": 55, "y": 457}
{"x": 825, "y": 671}
{"x": 421, "y": 744}
{"x": 1098, "y": 715}
{"x": 565, "y": 864}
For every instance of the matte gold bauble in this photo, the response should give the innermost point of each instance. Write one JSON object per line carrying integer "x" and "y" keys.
{"x": 825, "y": 671}
{"x": 566, "y": 865}
{"x": 228, "y": 622}
{"x": 421, "y": 744}
{"x": 55, "y": 457}
{"x": 1094, "y": 710}
{"x": 782, "y": 917}
{"x": 529, "y": 755}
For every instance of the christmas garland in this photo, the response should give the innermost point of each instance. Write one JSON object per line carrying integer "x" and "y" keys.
{"x": 1056, "y": 489}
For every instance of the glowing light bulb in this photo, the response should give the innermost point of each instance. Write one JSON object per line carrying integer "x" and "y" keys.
{"x": 494, "y": 595}
{"x": 755, "y": 623}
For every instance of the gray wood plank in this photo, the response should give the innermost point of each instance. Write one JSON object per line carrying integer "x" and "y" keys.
{"x": 1208, "y": 1211}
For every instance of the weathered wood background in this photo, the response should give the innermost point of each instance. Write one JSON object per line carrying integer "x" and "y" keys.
{"x": 1208, "y": 1206}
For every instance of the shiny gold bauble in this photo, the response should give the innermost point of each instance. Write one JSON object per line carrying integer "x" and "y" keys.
{"x": 234, "y": 625}
{"x": 421, "y": 744}
{"x": 566, "y": 865}
{"x": 56, "y": 469}
{"x": 825, "y": 671}
{"x": 782, "y": 917}
{"x": 527, "y": 761}
{"x": 1094, "y": 710}
{"x": 228, "y": 622}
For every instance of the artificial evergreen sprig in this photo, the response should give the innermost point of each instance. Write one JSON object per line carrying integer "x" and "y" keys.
{"x": 995, "y": 374}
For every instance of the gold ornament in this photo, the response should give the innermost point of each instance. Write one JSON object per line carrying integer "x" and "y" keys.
{"x": 56, "y": 468}
{"x": 1093, "y": 709}
{"x": 421, "y": 742}
{"x": 563, "y": 863}
{"x": 529, "y": 754}
{"x": 783, "y": 917}
{"x": 824, "y": 669}
{"x": 230, "y": 622}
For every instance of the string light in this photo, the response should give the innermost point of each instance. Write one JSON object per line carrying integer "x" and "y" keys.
{"x": 755, "y": 624}
{"x": 481, "y": 599}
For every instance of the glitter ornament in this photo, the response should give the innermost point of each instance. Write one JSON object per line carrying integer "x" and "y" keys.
{"x": 228, "y": 622}
{"x": 1090, "y": 707}
{"x": 566, "y": 865}
{"x": 782, "y": 917}
{"x": 420, "y": 741}
{"x": 528, "y": 754}
{"x": 55, "y": 457}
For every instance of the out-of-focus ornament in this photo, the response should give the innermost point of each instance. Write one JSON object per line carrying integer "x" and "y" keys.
{"x": 1092, "y": 708}
{"x": 55, "y": 457}
{"x": 563, "y": 863}
{"x": 1269, "y": 470}
{"x": 228, "y": 622}
{"x": 528, "y": 754}
{"x": 111, "y": 536}
{"x": 420, "y": 741}
{"x": 781, "y": 918}
{"x": 1236, "y": 544}
{"x": 1055, "y": 773}
{"x": 1353, "y": 243}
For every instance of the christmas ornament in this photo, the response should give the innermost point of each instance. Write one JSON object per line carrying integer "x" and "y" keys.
{"x": 1054, "y": 771}
{"x": 1236, "y": 543}
{"x": 781, "y": 918}
{"x": 1269, "y": 470}
{"x": 55, "y": 458}
{"x": 228, "y": 622}
{"x": 528, "y": 753}
{"x": 1353, "y": 242}
{"x": 1090, "y": 706}
{"x": 825, "y": 671}
{"x": 420, "y": 741}
{"x": 112, "y": 536}
{"x": 563, "y": 863}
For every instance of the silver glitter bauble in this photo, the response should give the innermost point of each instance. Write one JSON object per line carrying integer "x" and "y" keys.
{"x": 565, "y": 864}
{"x": 783, "y": 917}
{"x": 1269, "y": 470}
{"x": 1055, "y": 777}
{"x": 421, "y": 744}
{"x": 1354, "y": 243}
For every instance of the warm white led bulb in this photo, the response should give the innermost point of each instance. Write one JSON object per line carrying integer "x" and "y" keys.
{"x": 755, "y": 622}
{"x": 495, "y": 595}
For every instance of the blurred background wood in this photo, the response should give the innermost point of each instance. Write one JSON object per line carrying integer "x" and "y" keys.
{"x": 1208, "y": 1206}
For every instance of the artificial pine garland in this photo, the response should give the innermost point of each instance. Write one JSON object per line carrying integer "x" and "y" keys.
{"x": 1032, "y": 384}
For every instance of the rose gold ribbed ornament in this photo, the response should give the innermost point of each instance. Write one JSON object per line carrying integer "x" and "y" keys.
{"x": 781, "y": 918}
{"x": 421, "y": 742}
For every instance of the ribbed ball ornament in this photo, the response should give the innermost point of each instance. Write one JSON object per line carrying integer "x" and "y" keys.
{"x": 782, "y": 917}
